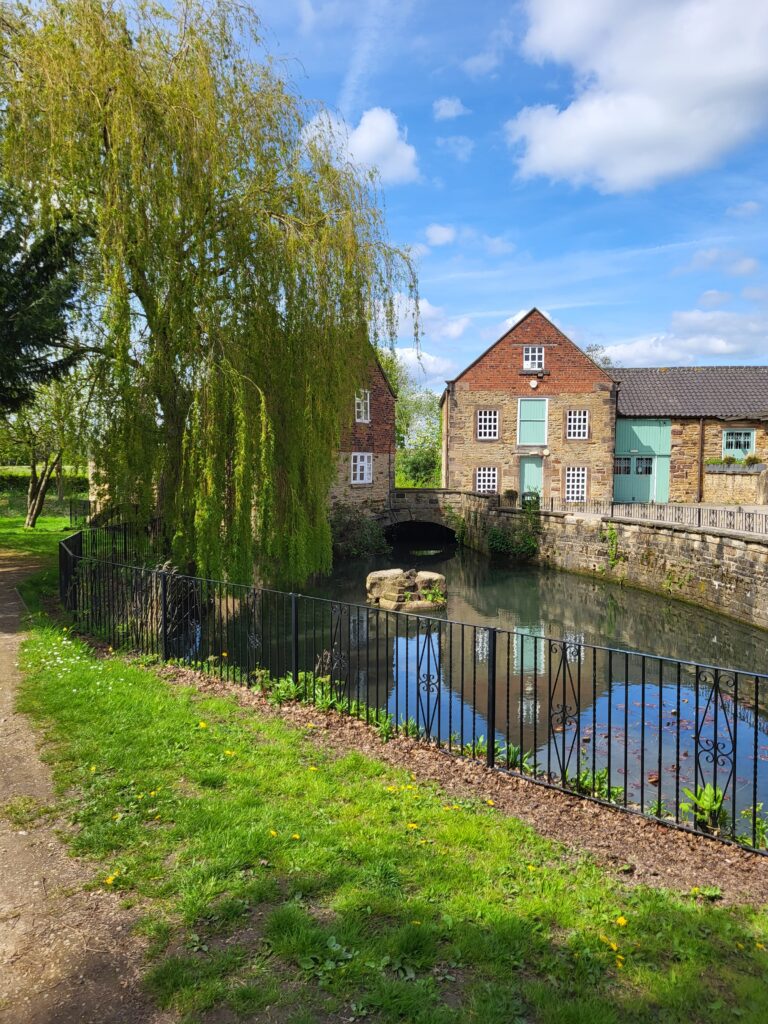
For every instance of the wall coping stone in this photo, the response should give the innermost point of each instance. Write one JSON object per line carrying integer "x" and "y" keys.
{"x": 755, "y": 470}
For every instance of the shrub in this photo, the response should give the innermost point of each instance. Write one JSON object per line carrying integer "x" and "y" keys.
{"x": 355, "y": 534}
{"x": 752, "y": 460}
{"x": 518, "y": 541}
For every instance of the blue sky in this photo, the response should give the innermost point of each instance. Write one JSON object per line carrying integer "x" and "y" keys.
{"x": 603, "y": 160}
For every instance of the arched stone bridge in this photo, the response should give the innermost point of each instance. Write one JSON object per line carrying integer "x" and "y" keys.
{"x": 434, "y": 505}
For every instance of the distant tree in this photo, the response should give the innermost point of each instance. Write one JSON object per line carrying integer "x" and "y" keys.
{"x": 417, "y": 425}
{"x": 39, "y": 276}
{"x": 598, "y": 355}
{"x": 49, "y": 429}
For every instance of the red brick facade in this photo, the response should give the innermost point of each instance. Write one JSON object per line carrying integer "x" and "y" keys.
{"x": 376, "y": 437}
{"x": 570, "y": 382}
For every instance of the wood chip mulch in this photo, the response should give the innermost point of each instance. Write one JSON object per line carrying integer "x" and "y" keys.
{"x": 634, "y": 849}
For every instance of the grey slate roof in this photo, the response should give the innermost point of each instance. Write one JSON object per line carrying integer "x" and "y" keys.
{"x": 735, "y": 392}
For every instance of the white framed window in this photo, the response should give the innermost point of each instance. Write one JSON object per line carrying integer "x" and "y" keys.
{"x": 487, "y": 424}
{"x": 577, "y": 425}
{"x": 361, "y": 468}
{"x": 738, "y": 443}
{"x": 533, "y": 357}
{"x": 363, "y": 407}
{"x": 486, "y": 479}
{"x": 575, "y": 483}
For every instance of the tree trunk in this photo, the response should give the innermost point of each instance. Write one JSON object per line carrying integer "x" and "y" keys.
{"x": 38, "y": 488}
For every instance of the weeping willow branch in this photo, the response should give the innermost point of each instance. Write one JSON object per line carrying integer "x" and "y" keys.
{"x": 243, "y": 269}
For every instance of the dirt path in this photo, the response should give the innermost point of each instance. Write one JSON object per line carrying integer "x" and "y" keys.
{"x": 66, "y": 955}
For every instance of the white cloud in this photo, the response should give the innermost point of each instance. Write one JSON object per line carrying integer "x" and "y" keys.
{"x": 662, "y": 88}
{"x": 307, "y": 16}
{"x": 490, "y": 58}
{"x": 459, "y": 146}
{"x": 377, "y": 141}
{"x": 448, "y": 107}
{"x": 744, "y": 210}
{"x": 697, "y": 336}
{"x": 418, "y": 249}
{"x": 720, "y": 259}
{"x": 497, "y": 245}
{"x": 440, "y": 234}
{"x": 375, "y": 17}
{"x": 429, "y": 370}
{"x": 712, "y": 297}
{"x": 438, "y": 326}
{"x": 742, "y": 267}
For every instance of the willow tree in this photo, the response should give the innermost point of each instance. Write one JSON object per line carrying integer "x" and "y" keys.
{"x": 241, "y": 267}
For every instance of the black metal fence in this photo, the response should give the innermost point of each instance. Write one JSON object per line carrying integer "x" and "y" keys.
{"x": 684, "y": 743}
{"x": 715, "y": 517}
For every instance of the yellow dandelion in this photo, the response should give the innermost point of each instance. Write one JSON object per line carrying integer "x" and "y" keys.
{"x": 455, "y": 807}
{"x": 93, "y": 767}
{"x": 157, "y": 817}
{"x": 621, "y": 921}
{"x": 416, "y": 922}
{"x": 391, "y": 789}
{"x": 739, "y": 945}
{"x": 311, "y": 725}
{"x": 422, "y": 842}
{"x": 759, "y": 945}
{"x": 224, "y": 654}
{"x": 313, "y": 768}
{"x": 272, "y": 832}
{"x": 531, "y": 867}
{"x": 153, "y": 792}
{"x": 620, "y": 962}
{"x": 295, "y": 836}
{"x": 412, "y": 825}
{"x": 229, "y": 753}
{"x": 202, "y": 725}
{"x": 447, "y": 807}
{"x": 110, "y": 879}
{"x": 490, "y": 803}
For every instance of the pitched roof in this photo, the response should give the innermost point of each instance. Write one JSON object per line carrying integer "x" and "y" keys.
{"x": 725, "y": 392}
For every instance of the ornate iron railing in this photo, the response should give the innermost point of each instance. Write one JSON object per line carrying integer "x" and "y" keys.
{"x": 676, "y": 741}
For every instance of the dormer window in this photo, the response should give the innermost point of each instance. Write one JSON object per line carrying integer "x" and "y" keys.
{"x": 363, "y": 407}
{"x": 533, "y": 357}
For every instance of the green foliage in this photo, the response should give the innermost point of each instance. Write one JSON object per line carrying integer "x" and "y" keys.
{"x": 610, "y": 536}
{"x": 435, "y": 594}
{"x": 761, "y": 827}
{"x": 239, "y": 263}
{"x": 595, "y": 784}
{"x": 456, "y": 522}
{"x": 519, "y": 540}
{"x": 39, "y": 278}
{"x": 355, "y": 534}
{"x": 706, "y": 806}
{"x": 419, "y": 466}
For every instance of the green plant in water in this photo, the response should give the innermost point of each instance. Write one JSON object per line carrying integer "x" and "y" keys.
{"x": 706, "y": 806}
{"x": 434, "y": 594}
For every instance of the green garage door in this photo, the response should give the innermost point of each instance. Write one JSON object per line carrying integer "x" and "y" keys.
{"x": 641, "y": 465}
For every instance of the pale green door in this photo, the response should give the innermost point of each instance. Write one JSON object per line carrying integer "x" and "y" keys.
{"x": 641, "y": 465}
{"x": 531, "y": 474}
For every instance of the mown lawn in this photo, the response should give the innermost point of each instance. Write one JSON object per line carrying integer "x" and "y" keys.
{"x": 42, "y": 540}
{"x": 280, "y": 883}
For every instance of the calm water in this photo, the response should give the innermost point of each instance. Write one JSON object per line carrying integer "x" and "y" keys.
{"x": 649, "y": 725}
{"x": 545, "y": 602}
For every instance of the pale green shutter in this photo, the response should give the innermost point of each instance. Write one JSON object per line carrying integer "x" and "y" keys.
{"x": 533, "y": 421}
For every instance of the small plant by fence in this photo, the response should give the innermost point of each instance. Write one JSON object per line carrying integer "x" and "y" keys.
{"x": 686, "y": 744}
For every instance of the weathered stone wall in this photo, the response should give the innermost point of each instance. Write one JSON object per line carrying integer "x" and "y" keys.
{"x": 373, "y": 496}
{"x": 684, "y": 462}
{"x": 722, "y": 571}
{"x": 735, "y": 485}
{"x": 497, "y": 380}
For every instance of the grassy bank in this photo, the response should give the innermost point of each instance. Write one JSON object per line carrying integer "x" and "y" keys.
{"x": 284, "y": 883}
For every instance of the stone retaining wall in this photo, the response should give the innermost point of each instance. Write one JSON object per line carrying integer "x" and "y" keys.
{"x": 722, "y": 571}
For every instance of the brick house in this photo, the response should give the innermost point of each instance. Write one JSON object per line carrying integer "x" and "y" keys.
{"x": 674, "y": 422}
{"x": 366, "y": 460}
{"x": 532, "y": 413}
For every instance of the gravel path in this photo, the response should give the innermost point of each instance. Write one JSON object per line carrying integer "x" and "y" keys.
{"x": 66, "y": 955}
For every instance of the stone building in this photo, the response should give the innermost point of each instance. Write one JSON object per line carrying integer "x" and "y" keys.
{"x": 366, "y": 461}
{"x": 532, "y": 413}
{"x": 692, "y": 433}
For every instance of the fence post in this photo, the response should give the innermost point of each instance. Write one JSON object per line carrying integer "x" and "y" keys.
{"x": 491, "y": 751}
{"x": 295, "y": 638}
{"x": 164, "y": 612}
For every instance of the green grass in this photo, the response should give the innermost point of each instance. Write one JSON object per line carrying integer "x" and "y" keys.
{"x": 272, "y": 874}
{"x": 41, "y": 541}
